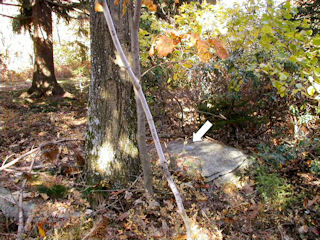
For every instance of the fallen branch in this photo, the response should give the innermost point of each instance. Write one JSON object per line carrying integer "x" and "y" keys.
{"x": 18, "y": 159}
{"x": 7, "y": 158}
{"x": 136, "y": 85}
{"x": 35, "y": 150}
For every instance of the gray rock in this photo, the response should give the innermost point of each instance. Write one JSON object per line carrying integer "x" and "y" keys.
{"x": 212, "y": 159}
{"x": 9, "y": 207}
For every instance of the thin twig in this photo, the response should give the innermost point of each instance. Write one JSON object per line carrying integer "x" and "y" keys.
{"x": 8, "y": 200}
{"x": 20, "y": 207}
{"x": 27, "y": 226}
{"x": 160, "y": 64}
{"x": 34, "y": 150}
{"x": 93, "y": 229}
{"x": 7, "y": 158}
{"x": 18, "y": 159}
{"x": 10, "y": 4}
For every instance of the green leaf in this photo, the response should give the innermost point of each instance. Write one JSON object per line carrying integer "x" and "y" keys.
{"x": 283, "y": 76}
{"x": 316, "y": 41}
{"x": 287, "y": 16}
{"x": 267, "y": 29}
{"x": 311, "y": 90}
{"x": 292, "y": 47}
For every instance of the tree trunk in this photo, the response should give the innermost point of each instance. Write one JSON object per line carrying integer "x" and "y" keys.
{"x": 111, "y": 145}
{"x": 44, "y": 82}
{"x": 141, "y": 119}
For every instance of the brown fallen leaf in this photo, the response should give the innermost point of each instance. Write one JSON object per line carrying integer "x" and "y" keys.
{"x": 123, "y": 216}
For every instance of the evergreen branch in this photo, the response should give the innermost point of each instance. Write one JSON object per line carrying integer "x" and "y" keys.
{"x": 7, "y": 16}
{"x": 11, "y": 4}
{"x": 20, "y": 17}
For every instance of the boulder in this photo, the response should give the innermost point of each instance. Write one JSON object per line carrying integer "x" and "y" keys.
{"x": 213, "y": 160}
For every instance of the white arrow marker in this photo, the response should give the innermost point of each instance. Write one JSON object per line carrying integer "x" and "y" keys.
{"x": 202, "y": 131}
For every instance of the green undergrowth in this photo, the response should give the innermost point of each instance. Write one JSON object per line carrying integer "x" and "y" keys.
{"x": 54, "y": 192}
{"x": 273, "y": 189}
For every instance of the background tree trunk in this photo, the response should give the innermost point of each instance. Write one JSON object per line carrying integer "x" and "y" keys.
{"x": 44, "y": 81}
{"x": 141, "y": 119}
{"x": 111, "y": 145}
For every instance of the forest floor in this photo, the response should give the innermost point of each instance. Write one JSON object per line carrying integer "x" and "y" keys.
{"x": 268, "y": 202}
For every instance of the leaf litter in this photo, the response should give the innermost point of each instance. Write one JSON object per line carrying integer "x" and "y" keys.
{"x": 230, "y": 211}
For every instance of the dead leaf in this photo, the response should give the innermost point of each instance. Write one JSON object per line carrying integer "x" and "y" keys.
{"x": 150, "y": 5}
{"x": 254, "y": 211}
{"x": 153, "y": 204}
{"x": 128, "y": 195}
{"x": 180, "y": 237}
{"x": 41, "y": 230}
{"x": 203, "y": 49}
{"x": 313, "y": 201}
{"x": 164, "y": 227}
{"x": 170, "y": 206}
{"x": 303, "y": 229}
{"x": 164, "y": 46}
{"x": 218, "y": 45}
{"x": 79, "y": 159}
{"x": 98, "y": 7}
{"x": 248, "y": 189}
{"x": 123, "y": 216}
{"x": 201, "y": 197}
{"x": 139, "y": 201}
{"x": 50, "y": 151}
{"x": 44, "y": 196}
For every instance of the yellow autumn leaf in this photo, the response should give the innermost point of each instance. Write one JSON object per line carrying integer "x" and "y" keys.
{"x": 98, "y": 7}
{"x": 203, "y": 48}
{"x": 42, "y": 232}
{"x": 180, "y": 237}
{"x": 150, "y": 5}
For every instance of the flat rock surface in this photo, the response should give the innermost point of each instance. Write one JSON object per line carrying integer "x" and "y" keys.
{"x": 211, "y": 159}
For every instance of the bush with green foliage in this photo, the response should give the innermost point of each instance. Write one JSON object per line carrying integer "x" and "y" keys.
{"x": 273, "y": 61}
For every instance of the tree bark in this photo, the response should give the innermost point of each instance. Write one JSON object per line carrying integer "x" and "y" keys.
{"x": 141, "y": 119}
{"x": 44, "y": 82}
{"x": 111, "y": 145}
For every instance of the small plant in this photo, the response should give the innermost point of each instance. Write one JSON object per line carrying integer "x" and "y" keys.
{"x": 273, "y": 189}
{"x": 315, "y": 167}
{"x": 56, "y": 191}
{"x": 277, "y": 155}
